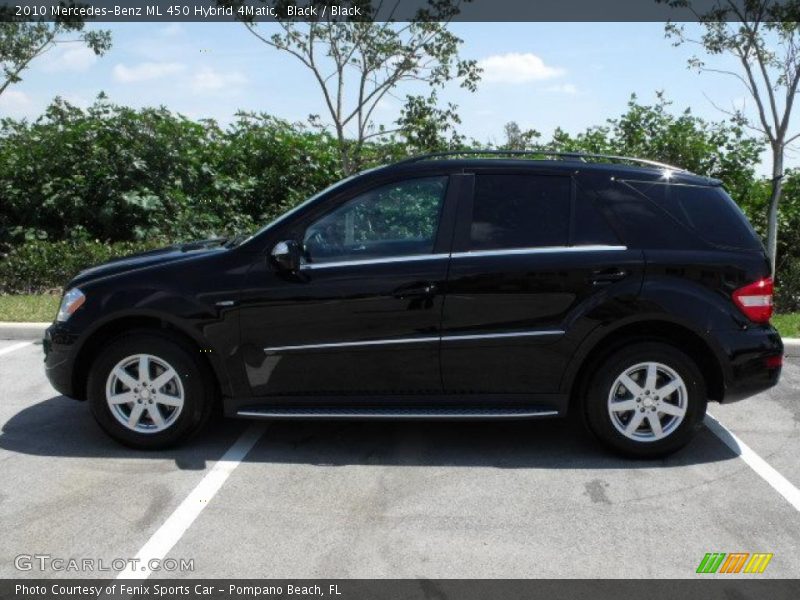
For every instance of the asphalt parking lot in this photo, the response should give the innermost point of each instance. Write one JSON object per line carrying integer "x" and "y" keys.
{"x": 376, "y": 499}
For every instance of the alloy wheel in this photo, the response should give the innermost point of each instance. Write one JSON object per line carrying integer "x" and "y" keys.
{"x": 647, "y": 402}
{"x": 144, "y": 393}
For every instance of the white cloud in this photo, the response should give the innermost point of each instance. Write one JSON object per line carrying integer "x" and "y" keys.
{"x": 15, "y": 103}
{"x": 172, "y": 30}
{"x": 210, "y": 80}
{"x": 516, "y": 67}
{"x": 564, "y": 88}
{"x": 75, "y": 58}
{"x": 146, "y": 71}
{"x": 387, "y": 105}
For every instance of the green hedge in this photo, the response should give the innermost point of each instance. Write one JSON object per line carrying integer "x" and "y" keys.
{"x": 40, "y": 266}
{"x": 121, "y": 174}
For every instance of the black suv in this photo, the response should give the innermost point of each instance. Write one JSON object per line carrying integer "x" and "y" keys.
{"x": 440, "y": 287}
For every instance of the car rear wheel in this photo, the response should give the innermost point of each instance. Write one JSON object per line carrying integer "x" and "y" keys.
{"x": 646, "y": 400}
{"x": 149, "y": 391}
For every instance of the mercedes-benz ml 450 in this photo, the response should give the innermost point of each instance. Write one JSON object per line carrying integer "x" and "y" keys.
{"x": 440, "y": 287}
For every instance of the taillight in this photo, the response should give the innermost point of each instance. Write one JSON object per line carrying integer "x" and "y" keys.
{"x": 755, "y": 300}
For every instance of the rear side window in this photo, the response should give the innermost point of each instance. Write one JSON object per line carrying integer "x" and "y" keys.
{"x": 590, "y": 226}
{"x": 642, "y": 223}
{"x": 708, "y": 211}
{"x": 520, "y": 211}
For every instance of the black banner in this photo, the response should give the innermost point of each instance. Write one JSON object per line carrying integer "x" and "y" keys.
{"x": 369, "y": 10}
{"x": 718, "y": 588}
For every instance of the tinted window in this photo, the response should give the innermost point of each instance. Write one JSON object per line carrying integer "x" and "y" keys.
{"x": 590, "y": 226}
{"x": 641, "y": 223}
{"x": 709, "y": 211}
{"x": 393, "y": 220}
{"x": 520, "y": 211}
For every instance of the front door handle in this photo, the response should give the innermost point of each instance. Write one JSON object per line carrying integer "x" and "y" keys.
{"x": 607, "y": 276}
{"x": 415, "y": 290}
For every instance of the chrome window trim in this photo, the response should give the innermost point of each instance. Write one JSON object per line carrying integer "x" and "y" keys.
{"x": 466, "y": 254}
{"x": 419, "y": 340}
{"x": 539, "y": 250}
{"x": 373, "y": 261}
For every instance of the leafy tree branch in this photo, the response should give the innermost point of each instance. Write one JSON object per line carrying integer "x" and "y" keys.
{"x": 21, "y": 42}
{"x": 358, "y": 63}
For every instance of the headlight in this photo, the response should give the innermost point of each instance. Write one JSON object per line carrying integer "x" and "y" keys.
{"x": 71, "y": 302}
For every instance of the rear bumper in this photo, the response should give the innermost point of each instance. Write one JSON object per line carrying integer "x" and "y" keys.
{"x": 59, "y": 358}
{"x": 748, "y": 351}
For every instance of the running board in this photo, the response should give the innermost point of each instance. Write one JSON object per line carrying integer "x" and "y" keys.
{"x": 517, "y": 412}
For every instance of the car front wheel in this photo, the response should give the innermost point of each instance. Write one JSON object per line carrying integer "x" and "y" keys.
{"x": 148, "y": 391}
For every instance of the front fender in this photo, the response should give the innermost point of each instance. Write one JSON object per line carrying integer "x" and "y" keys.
{"x": 213, "y": 330}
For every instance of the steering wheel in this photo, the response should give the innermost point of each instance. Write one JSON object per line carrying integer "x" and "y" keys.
{"x": 319, "y": 243}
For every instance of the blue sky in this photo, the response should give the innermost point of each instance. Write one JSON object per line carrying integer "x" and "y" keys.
{"x": 539, "y": 74}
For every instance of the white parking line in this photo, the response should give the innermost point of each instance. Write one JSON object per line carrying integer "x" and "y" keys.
{"x": 179, "y": 521}
{"x": 781, "y": 485}
{"x": 13, "y": 347}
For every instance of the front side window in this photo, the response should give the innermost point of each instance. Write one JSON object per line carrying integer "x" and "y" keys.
{"x": 397, "y": 219}
{"x": 520, "y": 211}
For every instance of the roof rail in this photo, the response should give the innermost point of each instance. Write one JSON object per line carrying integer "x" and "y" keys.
{"x": 581, "y": 156}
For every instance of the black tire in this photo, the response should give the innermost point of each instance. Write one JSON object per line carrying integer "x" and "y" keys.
{"x": 597, "y": 412}
{"x": 198, "y": 389}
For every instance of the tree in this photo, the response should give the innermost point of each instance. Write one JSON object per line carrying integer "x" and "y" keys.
{"x": 720, "y": 150}
{"x": 425, "y": 127}
{"x": 358, "y": 64}
{"x": 23, "y": 41}
{"x": 764, "y": 39}
{"x": 517, "y": 139}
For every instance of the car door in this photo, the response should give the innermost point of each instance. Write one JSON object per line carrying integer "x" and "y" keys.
{"x": 534, "y": 265}
{"x": 362, "y": 315}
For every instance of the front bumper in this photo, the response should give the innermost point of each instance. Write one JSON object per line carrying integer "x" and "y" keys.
{"x": 59, "y": 358}
{"x": 748, "y": 352}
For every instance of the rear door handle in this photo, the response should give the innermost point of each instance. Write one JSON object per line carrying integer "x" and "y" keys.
{"x": 607, "y": 276}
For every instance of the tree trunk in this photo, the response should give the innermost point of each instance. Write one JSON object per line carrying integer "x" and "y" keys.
{"x": 347, "y": 168}
{"x": 344, "y": 152}
{"x": 774, "y": 199}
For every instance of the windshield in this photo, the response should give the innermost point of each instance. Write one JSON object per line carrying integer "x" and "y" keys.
{"x": 241, "y": 239}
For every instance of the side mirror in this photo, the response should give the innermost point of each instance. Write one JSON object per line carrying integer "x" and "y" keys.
{"x": 286, "y": 255}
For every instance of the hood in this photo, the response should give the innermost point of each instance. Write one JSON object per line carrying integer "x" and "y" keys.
{"x": 151, "y": 258}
